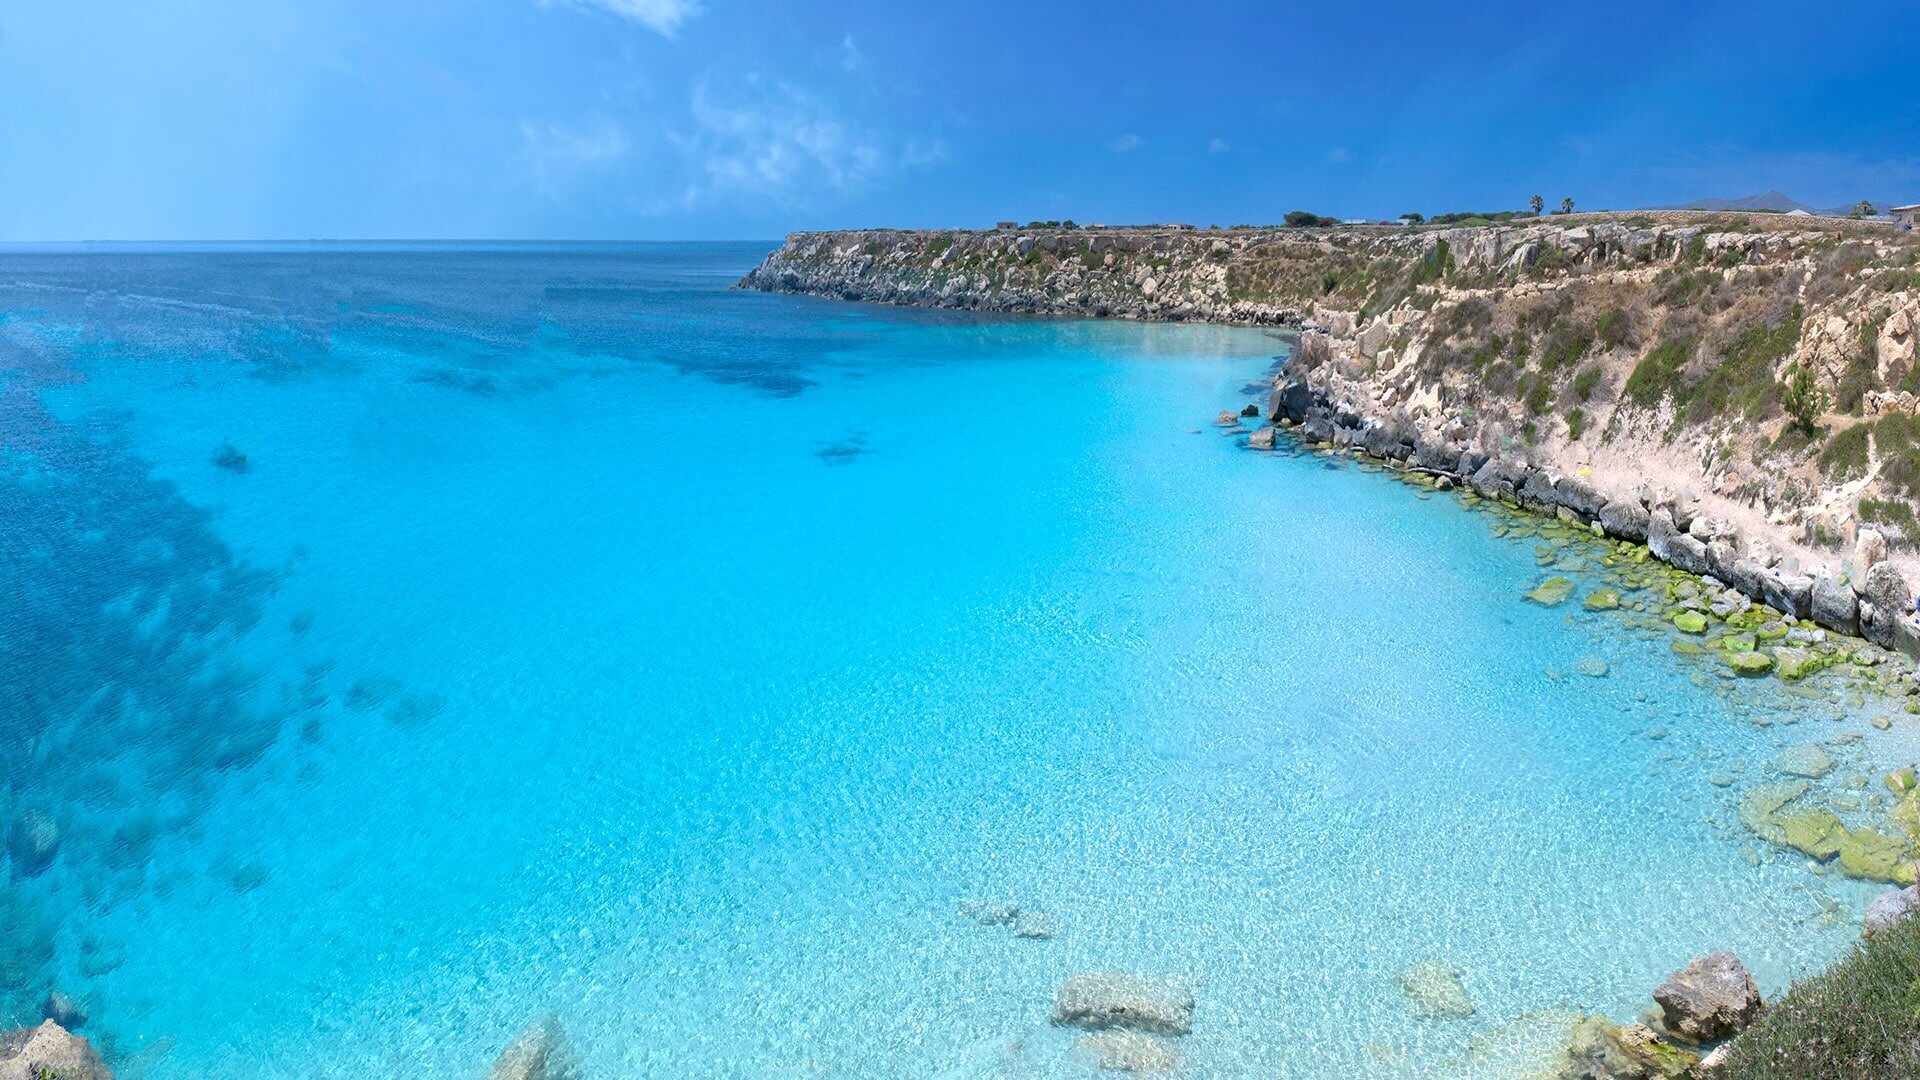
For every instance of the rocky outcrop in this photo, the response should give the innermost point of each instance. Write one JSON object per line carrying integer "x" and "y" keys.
{"x": 1712, "y": 998}
{"x": 1101, "y": 1000}
{"x": 539, "y": 1052}
{"x": 49, "y": 1052}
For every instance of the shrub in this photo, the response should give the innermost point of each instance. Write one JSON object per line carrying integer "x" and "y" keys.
{"x": 1860, "y": 1017}
{"x": 1658, "y": 374}
{"x": 1897, "y": 438}
{"x": 1895, "y": 512}
{"x": 1845, "y": 455}
{"x": 1435, "y": 265}
{"x": 1576, "y": 423}
{"x": 1743, "y": 379}
{"x": 1585, "y": 380}
{"x": 1565, "y": 346}
{"x": 1613, "y": 328}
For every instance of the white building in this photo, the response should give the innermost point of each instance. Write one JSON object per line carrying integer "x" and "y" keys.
{"x": 1906, "y": 216}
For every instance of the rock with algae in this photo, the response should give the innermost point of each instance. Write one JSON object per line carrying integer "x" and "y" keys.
{"x": 1599, "y": 1049}
{"x": 1809, "y": 761}
{"x": 1601, "y": 600}
{"x": 1691, "y": 622}
{"x": 1750, "y": 663}
{"x": 1551, "y": 592}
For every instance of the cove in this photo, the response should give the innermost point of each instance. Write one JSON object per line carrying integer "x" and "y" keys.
{"x": 580, "y": 636}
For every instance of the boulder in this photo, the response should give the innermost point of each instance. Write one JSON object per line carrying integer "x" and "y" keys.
{"x": 1434, "y": 991}
{"x": 1869, "y": 551}
{"x": 1601, "y": 600}
{"x": 540, "y": 1052}
{"x": 1711, "y": 998}
{"x": 49, "y": 1052}
{"x": 1888, "y": 908}
{"x": 1691, "y": 622}
{"x": 1751, "y": 663}
{"x": 1261, "y": 439}
{"x": 1579, "y": 496}
{"x": 1291, "y": 400}
{"x": 1099, "y": 1000}
{"x": 1626, "y": 519}
{"x": 1128, "y": 1051}
{"x": 1791, "y": 593}
{"x": 1834, "y": 605}
{"x": 1887, "y": 593}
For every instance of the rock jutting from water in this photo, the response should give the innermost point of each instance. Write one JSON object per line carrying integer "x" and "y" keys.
{"x": 1712, "y": 998}
{"x": 49, "y": 1052}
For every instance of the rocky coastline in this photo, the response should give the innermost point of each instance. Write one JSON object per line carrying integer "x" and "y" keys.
{"x": 1628, "y": 371}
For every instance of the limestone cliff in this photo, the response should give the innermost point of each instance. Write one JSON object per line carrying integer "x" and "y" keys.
{"x": 1649, "y": 362}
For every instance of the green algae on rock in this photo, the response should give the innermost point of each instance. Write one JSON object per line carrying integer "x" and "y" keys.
{"x": 1601, "y": 600}
{"x": 1552, "y": 592}
{"x": 1691, "y": 622}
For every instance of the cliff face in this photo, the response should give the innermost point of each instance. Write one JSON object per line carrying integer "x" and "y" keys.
{"x": 1656, "y": 360}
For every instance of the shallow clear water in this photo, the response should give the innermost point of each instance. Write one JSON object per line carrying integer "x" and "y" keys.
{"x": 584, "y": 637}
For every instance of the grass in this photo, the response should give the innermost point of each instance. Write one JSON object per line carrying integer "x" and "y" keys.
{"x": 1743, "y": 380}
{"x": 1586, "y": 380}
{"x": 1860, "y": 1017}
{"x": 1613, "y": 329}
{"x": 1576, "y": 423}
{"x": 1565, "y": 346}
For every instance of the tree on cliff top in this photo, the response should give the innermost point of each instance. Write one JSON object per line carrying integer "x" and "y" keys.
{"x": 1301, "y": 219}
{"x": 1536, "y": 204}
{"x": 1566, "y": 206}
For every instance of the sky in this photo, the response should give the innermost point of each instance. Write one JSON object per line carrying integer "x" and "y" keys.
{"x": 746, "y": 119}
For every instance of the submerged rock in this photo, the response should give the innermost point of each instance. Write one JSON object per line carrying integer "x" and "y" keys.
{"x": 1599, "y": 1049}
{"x": 1711, "y": 998}
{"x": 1434, "y": 991}
{"x": 63, "y": 1010}
{"x": 1037, "y": 925}
{"x": 539, "y": 1052}
{"x": 1129, "y": 1051}
{"x": 1888, "y": 908}
{"x": 1591, "y": 666}
{"x": 1261, "y": 439}
{"x": 1798, "y": 663}
{"x": 1750, "y": 663}
{"x": 1601, "y": 600}
{"x": 49, "y": 1052}
{"x": 1690, "y": 622}
{"x": 1551, "y": 592}
{"x": 989, "y": 912}
{"x": 32, "y": 843}
{"x": 1098, "y": 1000}
{"x": 1809, "y": 761}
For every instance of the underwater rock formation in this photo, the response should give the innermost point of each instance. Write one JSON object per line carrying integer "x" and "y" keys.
{"x": 1128, "y": 1051}
{"x": 49, "y": 1052}
{"x": 1433, "y": 991}
{"x": 1099, "y": 1000}
{"x": 539, "y": 1052}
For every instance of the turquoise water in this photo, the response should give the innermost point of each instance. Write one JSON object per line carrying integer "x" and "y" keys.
{"x": 581, "y": 636}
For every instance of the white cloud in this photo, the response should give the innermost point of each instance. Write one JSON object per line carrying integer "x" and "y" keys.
{"x": 1126, "y": 144}
{"x": 1218, "y": 146}
{"x": 775, "y": 141}
{"x": 851, "y": 58}
{"x": 1339, "y": 155}
{"x": 661, "y": 16}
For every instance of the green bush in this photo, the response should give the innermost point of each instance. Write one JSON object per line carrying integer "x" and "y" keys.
{"x": 1576, "y": 423}
{"x": 1743, "y": 379}
{"x": 1436, "y": 265}
{"x": 1565, "y": 346}
{"x": 1613, "y": 328}
{"x": 1585, "y": 380}
{"x": 1658, "y": 373}
{"x": 1859, "y": 1018}
{"x": 1897, "y": 438}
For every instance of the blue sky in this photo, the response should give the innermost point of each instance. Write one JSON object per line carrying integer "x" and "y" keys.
{"x": 613, "y": 119}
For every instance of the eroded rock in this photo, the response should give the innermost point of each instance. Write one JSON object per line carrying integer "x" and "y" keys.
{"x": 1889, "y": 908}
{"x": 49, "y": 1052}
{"x": 1711, "y": 998}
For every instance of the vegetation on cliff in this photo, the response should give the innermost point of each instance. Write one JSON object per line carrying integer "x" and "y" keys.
{"x": 1860, "y": 1017}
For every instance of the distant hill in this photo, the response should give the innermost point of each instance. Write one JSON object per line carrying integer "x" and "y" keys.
{"x": 1768, "y": 200}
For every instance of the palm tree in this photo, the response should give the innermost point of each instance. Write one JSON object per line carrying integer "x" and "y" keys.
{"x": 1536, "y": 204}
{"x": 1566, "y": 206}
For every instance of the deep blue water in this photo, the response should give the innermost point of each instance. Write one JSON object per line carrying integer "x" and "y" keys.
{"x": 582, "y": 636}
